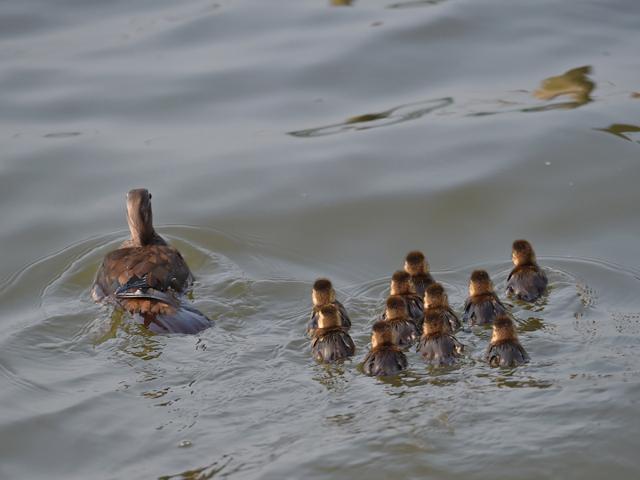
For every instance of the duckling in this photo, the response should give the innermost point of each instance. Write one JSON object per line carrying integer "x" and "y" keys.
{"x": 330, "y": 340}
{"x": 436, "y": 300}
{"x": 505, "y": 350}
{"x": 483, "y": 305}
{"x": 323, "y": 293}
{"x": 385, "y": 357}
{"x": 415, "y": 264}
{"x": 396, "y": 315}
{"x": 437, "y": 346}
{"x": 401, "y": 285}
{"x": 526, "y": 281}
{"x": 147, "y": 277}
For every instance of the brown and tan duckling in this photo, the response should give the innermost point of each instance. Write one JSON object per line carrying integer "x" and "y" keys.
{"x": 386, "y": 357}
{"x": 483, "y": 305}
{"x": 148, "y": 277}
{"x": 330, "y": 341}
{"x": 436, "y": 300}
{"x": 437, "y": 345}
{"x": 401, "y": 285}
{"x": 415, "y": 264}
{"x": 526, "y": 281}
{"x": 323, "y": 294}
{"x": 505, "y": 350}
{"x": 396, "y": 315}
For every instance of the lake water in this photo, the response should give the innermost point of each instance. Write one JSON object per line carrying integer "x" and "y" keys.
{"x": 287, "y": 140}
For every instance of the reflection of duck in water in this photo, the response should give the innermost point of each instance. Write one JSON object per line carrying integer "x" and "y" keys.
{"x": 393, "y": 116}
{"x": 483, "y": 305}
{"x": 401, "y": 285}
{"x": 437, "y": 301}
{"x": 573, "y": 82}
{"x": 437, "y": 346}
{"x": 415, "y": 264}
{"x": 322, "y": 294}
{"x": 505, "y": 349}
{"x": 386, "y": 357}
{"x": 330, "y": 341}
{"x": 146, "y": 276}
{"x": 526, "y": 281}
{"x": 396, "y": 315}
{"x": 341, "y": 3}
{"x": 621, "y": 130}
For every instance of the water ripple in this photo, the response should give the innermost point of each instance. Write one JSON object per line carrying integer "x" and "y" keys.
{"x": 574, "y": 83}
{"x": 393, "y": 116}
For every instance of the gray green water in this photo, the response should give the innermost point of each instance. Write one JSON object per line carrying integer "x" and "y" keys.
{"x": 285, "y": 140}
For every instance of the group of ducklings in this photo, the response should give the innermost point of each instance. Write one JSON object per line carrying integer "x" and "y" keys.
{"x": 149, "y": 278}
{"x": 417, "y": 310}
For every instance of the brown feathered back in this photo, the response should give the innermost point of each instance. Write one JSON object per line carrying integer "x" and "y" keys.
{"x": 162, "y": 266}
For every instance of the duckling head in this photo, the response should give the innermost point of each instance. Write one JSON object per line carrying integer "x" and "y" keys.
{"x": 522, "y": 253}
{"x": 322, "y": 292}
{"x": 395, "y": 307}
{"x": 435, "y": 296}
{"x": 503, "y": 329}
{"x": 382, "y": 335}
{"x": 329, "y": 317}
{"x": 433, "y": 323}
{"x": 139, "y": 216}
{"x": 415, "y": 263}
{"x": 401, "y": 283}
{"x": 480, "y": 283}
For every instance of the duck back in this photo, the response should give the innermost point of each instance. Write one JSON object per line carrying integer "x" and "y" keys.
{"x": 384, "y": 361}
{"x": 527, "y": 282}
{"x": 149, "y": 281}
{"x": 506, "y": 354}
{"x": 483, "y": 309}
{"x": 312, "y": 325}
{"x": 439, "y": 349}
{"x": 331, "y": 346}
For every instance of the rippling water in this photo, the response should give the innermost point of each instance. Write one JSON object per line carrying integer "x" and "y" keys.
{"x": 289, "y": 140}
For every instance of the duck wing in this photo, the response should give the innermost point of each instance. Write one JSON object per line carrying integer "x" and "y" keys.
{"x": 346, "y": 321}
{"x": 142, "y": 272}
